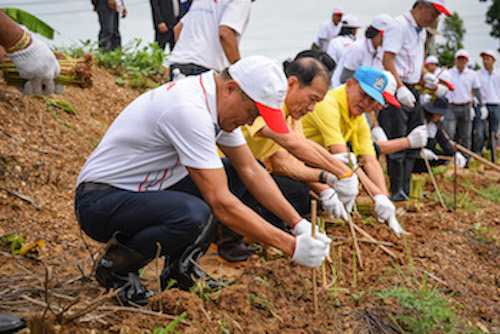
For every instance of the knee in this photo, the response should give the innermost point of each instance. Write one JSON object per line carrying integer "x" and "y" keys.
{"x": 197, "y": 212}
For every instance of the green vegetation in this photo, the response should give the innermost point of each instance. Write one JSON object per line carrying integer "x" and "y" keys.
{"x": 464, "y": 201}
{"x": 483, "y": 234}
{"x": 137, "y": 66}
{"x": 170, "y": 327}
{"x": 31, "y": 22}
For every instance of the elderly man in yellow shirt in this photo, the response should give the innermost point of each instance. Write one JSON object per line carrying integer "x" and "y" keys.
{"x": 338, "y": 124}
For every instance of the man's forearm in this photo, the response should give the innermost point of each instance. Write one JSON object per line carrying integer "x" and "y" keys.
{"x": 10, "y": 32}
{"x": 283, "y": 163}
{"x": 393, "y": 145}
{"x": 376, "y": 175}
{"x": 229, "y": 41}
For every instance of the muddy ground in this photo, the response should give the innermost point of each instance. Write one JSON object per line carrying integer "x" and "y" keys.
{"x": 42, "y": 149}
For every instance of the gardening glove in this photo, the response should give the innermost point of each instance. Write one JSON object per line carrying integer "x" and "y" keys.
{"x": 347, "y": 188}
{"x": 472, "y": 113}
{"x": 303, "y": 226}
{"x": 418, "y": 137}
{"x": 37, "y": 64}
{"x": 378, "y": 134}
{"x": 309, "y": 251}
{"x": 460, "y": 160}
{"x": 430, "y": 81}
{"x": 428, "y": 154}
{"x": 406, "y": 97}
{"x": 483, "y": 111}
{"x": 394, "y": 225}
{"x": 385, "y": 210}
{"x": 332, "y": 205}
{"x": 348, "y": 158}
{"x": 441, "y": 90}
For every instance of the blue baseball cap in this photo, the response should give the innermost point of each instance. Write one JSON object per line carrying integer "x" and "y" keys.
{"x": 372, "y": 81}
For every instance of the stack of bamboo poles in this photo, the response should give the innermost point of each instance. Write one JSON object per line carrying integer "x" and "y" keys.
{"x": 74, "y": 71}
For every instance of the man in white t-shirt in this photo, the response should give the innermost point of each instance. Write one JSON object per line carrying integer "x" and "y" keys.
{"x": 489, "y": 77}
{"x": 403, "y": 55}
{"x": 208, "y": 36}
{"x": 458, "y": 122}
{"x": 142, "y": 187}
{"x": 328, "y": 30}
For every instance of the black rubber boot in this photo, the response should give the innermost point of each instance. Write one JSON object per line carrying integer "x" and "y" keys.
{"x": 184, "y": 270}
{"x": 119, "y": 269}
{"x": 409, "y": 164}
{"x": 395, "y": 169}
{"x": 11, "y": 323}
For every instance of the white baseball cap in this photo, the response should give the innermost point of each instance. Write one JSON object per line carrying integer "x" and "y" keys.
{"x": 351, "y": 21}
{"x": 488, "y": 53}
{"x": 440, "y": 6}
{"x": 337, "y": 11}
{"x": 390, "y": 90}
{"x": 431, "y": 60}
{"x": 381, "y": 21}
{"x": 265, "y": 83}
{"x": 462, "y": 53}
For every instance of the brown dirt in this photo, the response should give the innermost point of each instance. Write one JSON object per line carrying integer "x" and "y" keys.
{"x": 41, "y": 152}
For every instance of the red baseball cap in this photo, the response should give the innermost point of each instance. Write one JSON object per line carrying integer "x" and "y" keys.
{"x": 440, "y": 6}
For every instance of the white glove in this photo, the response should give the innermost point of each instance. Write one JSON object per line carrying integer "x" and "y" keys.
{"x": 460, "y": 159}
{"x": 305, "y": 227}
{"x": 418, "y": 136}
{"x": 394, "y": 225}
{"x": 37, "y": 64}
{"x": 384, "y": 208}
{"x": 348, "y": 158}
{"x": 332, "y": 205}
{"x": 309, "y": 251}
{"x": 441, "y": 90}
{"x": 346, "y": 188}
{"x": 430, "y": 81}
{"x": 428, "y": 154}
{"x": 378, "y": 134}
{"x": 484, "y": 112}
{"x": 472, "y": 113}
{"x": 406, "y": 97}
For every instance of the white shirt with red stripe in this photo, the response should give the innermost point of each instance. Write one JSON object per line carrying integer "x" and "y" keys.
{"x": 406, "y": 40}
{"x": 327, "y": 31}
{"x": 338, "y": 45}
{"x": 359, "y": 53}
{"x": 199, "y": 41}
{"x": 490, "y": 85}
{"x": 464, "y": 82}
{"x": 152, "y": 140}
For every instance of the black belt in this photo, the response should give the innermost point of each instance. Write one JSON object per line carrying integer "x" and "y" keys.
{"x": 410, "y": 85}
{"x": 460, "y": 104}
{"x": 492, "y": 104}
{"x": 188, "y": 67}
{"x": 86, "y": 186}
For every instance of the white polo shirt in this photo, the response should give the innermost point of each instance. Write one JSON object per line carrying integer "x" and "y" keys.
{"x": 359, "y": 53}
{"x": 199, "y": 41}
{"x": 406, "y": 40}
{"x": 327, "y": 31}
{"x": 149, "y": 144}
{"x": 464, "y": 82}
{"x": 337, "y": 46}
{"x": 490, "y": 85}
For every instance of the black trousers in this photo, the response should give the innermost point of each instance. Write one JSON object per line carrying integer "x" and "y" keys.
{"x": 109, "y": 34}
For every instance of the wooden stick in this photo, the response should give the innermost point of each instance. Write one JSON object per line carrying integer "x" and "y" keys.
{"x": 369, "y": 237}
{"x": 355, "y": 241}
{"x": 313, "y": 222}
{"x": 455, "y": 180}
{"x": 432, "y": 177}
{"x": 476, "y": 156}
{"x": 376, "y": 242}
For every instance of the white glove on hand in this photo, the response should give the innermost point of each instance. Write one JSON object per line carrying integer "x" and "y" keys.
{"x": 384, "y": 208}
{"x": 347, "y": 188}
{"x": 406, "y": 97}
{"x": 394, "y": 225}
{"x": 37, "y": 64}
{"x": 472, "y": 113}
{"x": 441, "y": 90}
{"x": 309, "y": 251}
{"x": 348, "y": 158}
{"x": 418, "y": 136}
{"x": 430, "y": 80}
{"x": 332, "y": 205}
{"x": 460, "y": 159}
{"x": 305, "y": 227}
{"x": 484, "y": 112}
{"x": 378, "y": 134}
{"x": 428, "y": 154}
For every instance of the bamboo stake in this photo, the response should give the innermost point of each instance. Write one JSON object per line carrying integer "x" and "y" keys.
{"x": 455, "y": 180}
{"x": 355, "y": 241}
{"x": 369, "y": 237}
{"x": 313, "y": 221}
{"x": 432, "y": 177}
{"x": 476, "y": 156}
{"x": 323, "y": 265}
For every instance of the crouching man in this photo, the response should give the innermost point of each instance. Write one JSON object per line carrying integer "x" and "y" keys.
{"x": 156, "y": 178}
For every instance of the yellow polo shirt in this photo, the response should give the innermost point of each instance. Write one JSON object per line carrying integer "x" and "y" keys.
{"x": 261, "y": 146}
{"x": 331, "y": 124}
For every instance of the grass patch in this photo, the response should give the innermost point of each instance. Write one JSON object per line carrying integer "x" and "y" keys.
{"x": 483, "y": 234}
{"x": 464, "y": 201}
